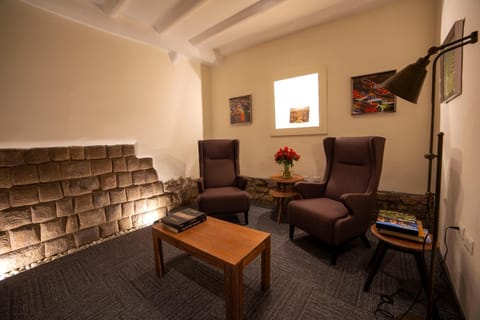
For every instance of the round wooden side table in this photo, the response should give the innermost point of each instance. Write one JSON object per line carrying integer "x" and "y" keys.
{"x": 284, "y": 192}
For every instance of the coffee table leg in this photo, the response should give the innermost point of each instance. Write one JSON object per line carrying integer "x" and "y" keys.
{"x": 233, "y": 291}
{"x": 266, "y": 265}
{"x": 157, "y": 247}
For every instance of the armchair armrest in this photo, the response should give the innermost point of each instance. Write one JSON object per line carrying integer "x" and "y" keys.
{"x": 360, "y": 203}
{"x": 241, "y": 182}
{"x": 310, "y": 189}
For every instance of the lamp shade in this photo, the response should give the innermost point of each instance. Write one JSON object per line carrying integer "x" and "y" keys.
{"x": 408, "y": 82}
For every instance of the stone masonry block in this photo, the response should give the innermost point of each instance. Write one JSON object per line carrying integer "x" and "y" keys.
{"x": 49, "y": 172}
{"x": 23, "y": 196}
{"x": 146, "y": 190}
{"x": 11, "y": 157}
{"x": 43, "y": 212}
{"x": 95, "y": 152}
{"x": 86, "y": 236}
{"x": 12, "y": 218}
{"x": 91, "y": 218}
{"x": 152, "y": 203}
{"x": 146, "y": 163}
{"x": 59, "y": 245}
{"x": 83, "y": 203}
{"x": 119, "y": 164}
{"x": 50, "y": 191}
{"x": 77, "y": 153}
{"x": 101, "y": 166}
{"x": 23, "y": 257}
{"x": 114, "y": 151}
{"x": 125, "y": 223}
{"x": 108, "y": 229}
{"x": 83, "y": 186}
{"x": 141, "y": 206}
{"x": 157, "y": 188}
{"x": 59, "y": 153}
{"x": 151, "y": 176}
{"x": 5, "y": 178}
{"x": 118, "y": 196}
{"x": 101, "y": 199}
{"x": 128, "y": 150}
{"x": 64, "y": 207}
{"x": 71, "y": 224}
{"x": 22, "y": 175}
{"x": 113, "y": 212}
{"x": 146, "y": 218}
{"x": 138, "y": 177}
{"x": 4, "y": 199}
{"x": 133, "y": 193}
{"x": 124, "y": 179}
{"x": 76, "y": 169}
{"x": 4, "y": 242}
{"x": 52, "y": 229}
{"x": 128, "y": 209}
{"x": 24, "y": 236}
{"x": 133, "y": 163}
{"x": 164, "y": 200}
{"x": 108, "y": 181}
{"x": 37, "y": 155}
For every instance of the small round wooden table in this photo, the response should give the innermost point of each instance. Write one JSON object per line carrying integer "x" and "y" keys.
{"x": 390, "y": 242}
{"x": 284, "y": 192}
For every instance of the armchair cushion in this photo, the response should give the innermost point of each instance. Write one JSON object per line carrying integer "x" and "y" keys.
{"x": 224, "y": 200}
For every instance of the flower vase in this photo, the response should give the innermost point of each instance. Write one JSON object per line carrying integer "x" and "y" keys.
{"x": 287, "y": 171}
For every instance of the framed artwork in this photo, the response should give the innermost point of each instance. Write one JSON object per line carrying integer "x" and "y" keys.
{"x": 451, "y": 65}
{"x": 299, "y": 102}
{"x": 368, "y": 96}
{"x": 240, "y": 109}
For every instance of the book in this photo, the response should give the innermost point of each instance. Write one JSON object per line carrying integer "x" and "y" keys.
{"x": 419, "y": 238}
{"x": 184, "y": 218}
{"x": 397, "y": 215}
{"x": 407, "y": 227}
{"x": 177, "y": 230}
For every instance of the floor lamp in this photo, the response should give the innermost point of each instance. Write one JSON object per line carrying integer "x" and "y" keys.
{"x": 407, "y": 84}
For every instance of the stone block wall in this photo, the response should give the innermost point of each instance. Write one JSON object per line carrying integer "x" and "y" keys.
{"x": 53, "y": 200}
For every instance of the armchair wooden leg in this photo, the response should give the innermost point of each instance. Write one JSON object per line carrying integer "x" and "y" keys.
{"x": 290, "y": 231}
{"x": 246, "y": 217}
{"x": 365, "y": 240}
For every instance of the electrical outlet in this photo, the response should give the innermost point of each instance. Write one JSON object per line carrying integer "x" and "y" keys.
{"x": 468, "y": 243}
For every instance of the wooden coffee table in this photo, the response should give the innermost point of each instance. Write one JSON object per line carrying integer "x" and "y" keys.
{"x": 225, "y": 245}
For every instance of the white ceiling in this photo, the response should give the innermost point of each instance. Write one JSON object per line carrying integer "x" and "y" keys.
{"x": 202, "y": 29}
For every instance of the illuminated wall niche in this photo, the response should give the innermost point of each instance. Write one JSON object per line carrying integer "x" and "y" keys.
{"x": 300, "y": 104}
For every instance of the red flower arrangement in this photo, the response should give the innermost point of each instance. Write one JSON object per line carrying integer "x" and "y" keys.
{"x": 286, "y": 156}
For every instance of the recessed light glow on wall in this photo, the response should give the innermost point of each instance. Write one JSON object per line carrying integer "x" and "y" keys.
{"x": 297, "y": 102}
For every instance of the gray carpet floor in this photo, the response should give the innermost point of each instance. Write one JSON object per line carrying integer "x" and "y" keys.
{"x": 116, "y": 280}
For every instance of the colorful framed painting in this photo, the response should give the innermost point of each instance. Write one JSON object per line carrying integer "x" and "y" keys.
{"x": 451, "y": 65}
{"x": 368, "y": 96}
{"x": 241, "y": 109}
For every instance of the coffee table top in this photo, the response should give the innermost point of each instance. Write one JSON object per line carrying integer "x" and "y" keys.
{"x": 217, "y": 240}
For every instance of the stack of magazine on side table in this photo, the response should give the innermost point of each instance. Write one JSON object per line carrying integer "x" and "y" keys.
{"x": 183, "y": 219}
{"x": 401, "y": 225}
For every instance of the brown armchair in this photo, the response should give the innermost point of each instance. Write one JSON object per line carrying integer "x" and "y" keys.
{"x": 221, "y": 188}
{"x": 340, "y": 208}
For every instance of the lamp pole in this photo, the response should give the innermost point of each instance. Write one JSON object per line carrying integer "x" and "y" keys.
{"x": 407, "y": 84}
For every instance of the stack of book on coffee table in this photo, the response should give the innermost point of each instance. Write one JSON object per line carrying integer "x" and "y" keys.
{"x": 183, "y": 219}
{"x": 401, "y": 225}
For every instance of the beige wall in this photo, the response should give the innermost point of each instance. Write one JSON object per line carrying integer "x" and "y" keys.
{"x": 374, "y": 41}
{"x": 461, "y": 175}
{"x": 65, "y": 84}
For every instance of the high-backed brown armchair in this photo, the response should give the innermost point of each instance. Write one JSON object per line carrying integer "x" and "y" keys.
{"x": 340, "y": 208}
{"x": 221, "y": 188}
